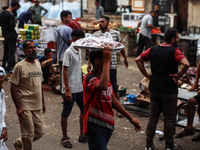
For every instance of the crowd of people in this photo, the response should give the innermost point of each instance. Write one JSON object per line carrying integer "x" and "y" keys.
{"x": 96, "y": 94}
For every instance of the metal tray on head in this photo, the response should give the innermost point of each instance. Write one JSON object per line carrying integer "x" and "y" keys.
{"x": 114, "y": 50}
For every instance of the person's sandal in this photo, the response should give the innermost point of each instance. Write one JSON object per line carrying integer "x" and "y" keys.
{"x": 196, "y": 137}
{"x": 66, "y": 143}
{"x": 18, "y": 144}
{"x": 185, "y": 132}
{"x": 82, "y": 138}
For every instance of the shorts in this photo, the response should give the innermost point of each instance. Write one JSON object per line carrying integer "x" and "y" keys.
{"x": 113, "y": 79}
{"x": 197, "y": 97}
{"x": 67, "y": 106}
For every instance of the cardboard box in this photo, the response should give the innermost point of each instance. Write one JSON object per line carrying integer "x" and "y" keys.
{"x": 144, "y": 85}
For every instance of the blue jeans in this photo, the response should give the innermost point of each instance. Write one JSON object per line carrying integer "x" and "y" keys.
{"x": 98, "y": 141}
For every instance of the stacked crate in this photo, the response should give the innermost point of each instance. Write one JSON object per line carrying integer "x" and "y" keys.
{"x": 128, "y": 39}
{"x": 30, "y": 32}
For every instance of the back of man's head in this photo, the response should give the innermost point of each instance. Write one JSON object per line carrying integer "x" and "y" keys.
{"x": 95, "y": 55}
{"x": 47, "y": 51}
{"x": 107, "y": 18}
{"x": 78, "y": 33}
{"x": 169, "y": 34}
{"x": 13, "y": 4}
{"x": 5, "y": 7}
{"x": 65, "y": 13}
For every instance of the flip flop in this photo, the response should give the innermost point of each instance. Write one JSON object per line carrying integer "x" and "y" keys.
{"x": 18, "y": 144}
{"x": 66, "y": 143}
{"x": 185, "y": 132}
{"x": 82, "y": 138}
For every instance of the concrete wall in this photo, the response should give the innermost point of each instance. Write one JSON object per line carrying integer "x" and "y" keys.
{"x": 193, "y": 13}
{"x": 148, "y": 6}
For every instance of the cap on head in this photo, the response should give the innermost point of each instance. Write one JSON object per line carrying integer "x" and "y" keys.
{"x": 33, "y": 10}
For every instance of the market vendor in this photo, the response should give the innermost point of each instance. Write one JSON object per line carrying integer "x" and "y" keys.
{"x": 25, "y": 17}
{"x": 38, "y": 9}
{"x": 146, "y": 25}
{"x": 155, "y": 20}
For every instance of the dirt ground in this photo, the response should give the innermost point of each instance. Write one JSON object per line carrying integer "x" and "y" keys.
{"x": 124, "y": 136}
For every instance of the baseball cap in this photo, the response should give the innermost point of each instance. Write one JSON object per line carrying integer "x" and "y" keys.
{"x": 33, "y": 10}
{"x": 2, "y": 71}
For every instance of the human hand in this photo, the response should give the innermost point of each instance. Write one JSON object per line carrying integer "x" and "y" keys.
{"x": 20, "y": 112}
{"x": 126, "y": 63}
{"x": 136, "y": 123}
{"x": 136, "y": 31}
{"x": 4, "y": 135}
{"x": 89, "y": 67}
{"x": 43, "y": 108}
{"x": 68, "y": 95}
{"x": 195, "y": 86}
{"x": 107, "y": 54}
{"x": 158, "y": 28}
{"x": 149, "y": 75}
{"x": 175, "y": 77}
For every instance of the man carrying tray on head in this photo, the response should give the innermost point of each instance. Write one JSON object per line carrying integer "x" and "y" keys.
{"x": 103, "y": 24}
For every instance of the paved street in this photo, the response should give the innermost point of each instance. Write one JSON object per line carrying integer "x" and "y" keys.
{"x": 124, "y": 136}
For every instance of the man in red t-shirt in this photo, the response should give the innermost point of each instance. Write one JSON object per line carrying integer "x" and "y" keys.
{"x": 74, "y": 25}
{"x": 99, "y": 98}
{"x": 164, "y": 59}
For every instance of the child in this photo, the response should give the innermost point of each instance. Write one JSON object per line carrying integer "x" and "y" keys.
{"x": 46, "y": 61}
{"x": 3, "y": 129}
{"x": 99, "y": 98}
{"x": 72, "y": 89}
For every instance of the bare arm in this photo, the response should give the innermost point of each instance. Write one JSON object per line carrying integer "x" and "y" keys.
{"x": 68, "y": 95}
{"x": 136, "y": 31}
{"x": 105, "y": 76}
{"x": 125, "y": 58}
{"x": 140, "y": 64}
{"x": 117, "y": 105}
{"x": 153, "y": 27}
{"x": 185, "y": 65}
{"x": 43, "y": 103}
{"x": 13, "y": 90}
{"x": 45, "y": 12}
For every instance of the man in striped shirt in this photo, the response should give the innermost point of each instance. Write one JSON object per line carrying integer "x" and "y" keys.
{"x": 103, "y": 24}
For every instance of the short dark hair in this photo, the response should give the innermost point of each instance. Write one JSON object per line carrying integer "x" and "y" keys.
{"x": 153, "y": 11}
{"x": 65, "y": 13}
{"x": 169, "y": 34}
{"x": 157, "y": 4}
{"x": 25, "y": 43}
{"x": 98, "y": 1}
{"x": 95, "y": 55}
{"x": 78, "y": 33}
{"x": 5, "y": 7}
{"x": 13, "y": 4}
{"x": 107, "y": 18}
{"x": 47, "y": 51}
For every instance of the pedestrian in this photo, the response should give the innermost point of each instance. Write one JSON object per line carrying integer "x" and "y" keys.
{"x": 72, "y": 89}
{"x": 10, "y": 36}
{"x": 46, "y": 61}
{"x": 103, "y": 25}
{"x": 27, "y": 95}
{"x": 146, "y": 24}
{"x": 99, "y": 99}
{"x": 164, "y": 59}
{"x": 38, "y": 9}
{"x": 25, "y": 17}
{"x": 3, "y": 129}
{"x": 155, "y": 19}
{"x": 191, "y": 107}
{"x": 63, "y": 39}
{"x": 99, "y": 10}
{"x": 74, "y": 25}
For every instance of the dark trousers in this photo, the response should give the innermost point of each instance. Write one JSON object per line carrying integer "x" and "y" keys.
{"x": 167, "y": 104}
{"x": 46, "y": 71}
{"x": 143, "y": 41}
{"x": 9, "y": 54}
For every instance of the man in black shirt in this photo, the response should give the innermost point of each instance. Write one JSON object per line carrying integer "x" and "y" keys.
{"x": 155, "y": 20}
{"x": 10, "y": 35}
{"x": 164, "y": 59}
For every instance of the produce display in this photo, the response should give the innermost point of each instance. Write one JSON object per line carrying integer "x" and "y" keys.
{"x": 114, "y": 25}
{"x": 155, "y": 31}
{"x": 125, "y": 29}
{"x": 30, "y": 32}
